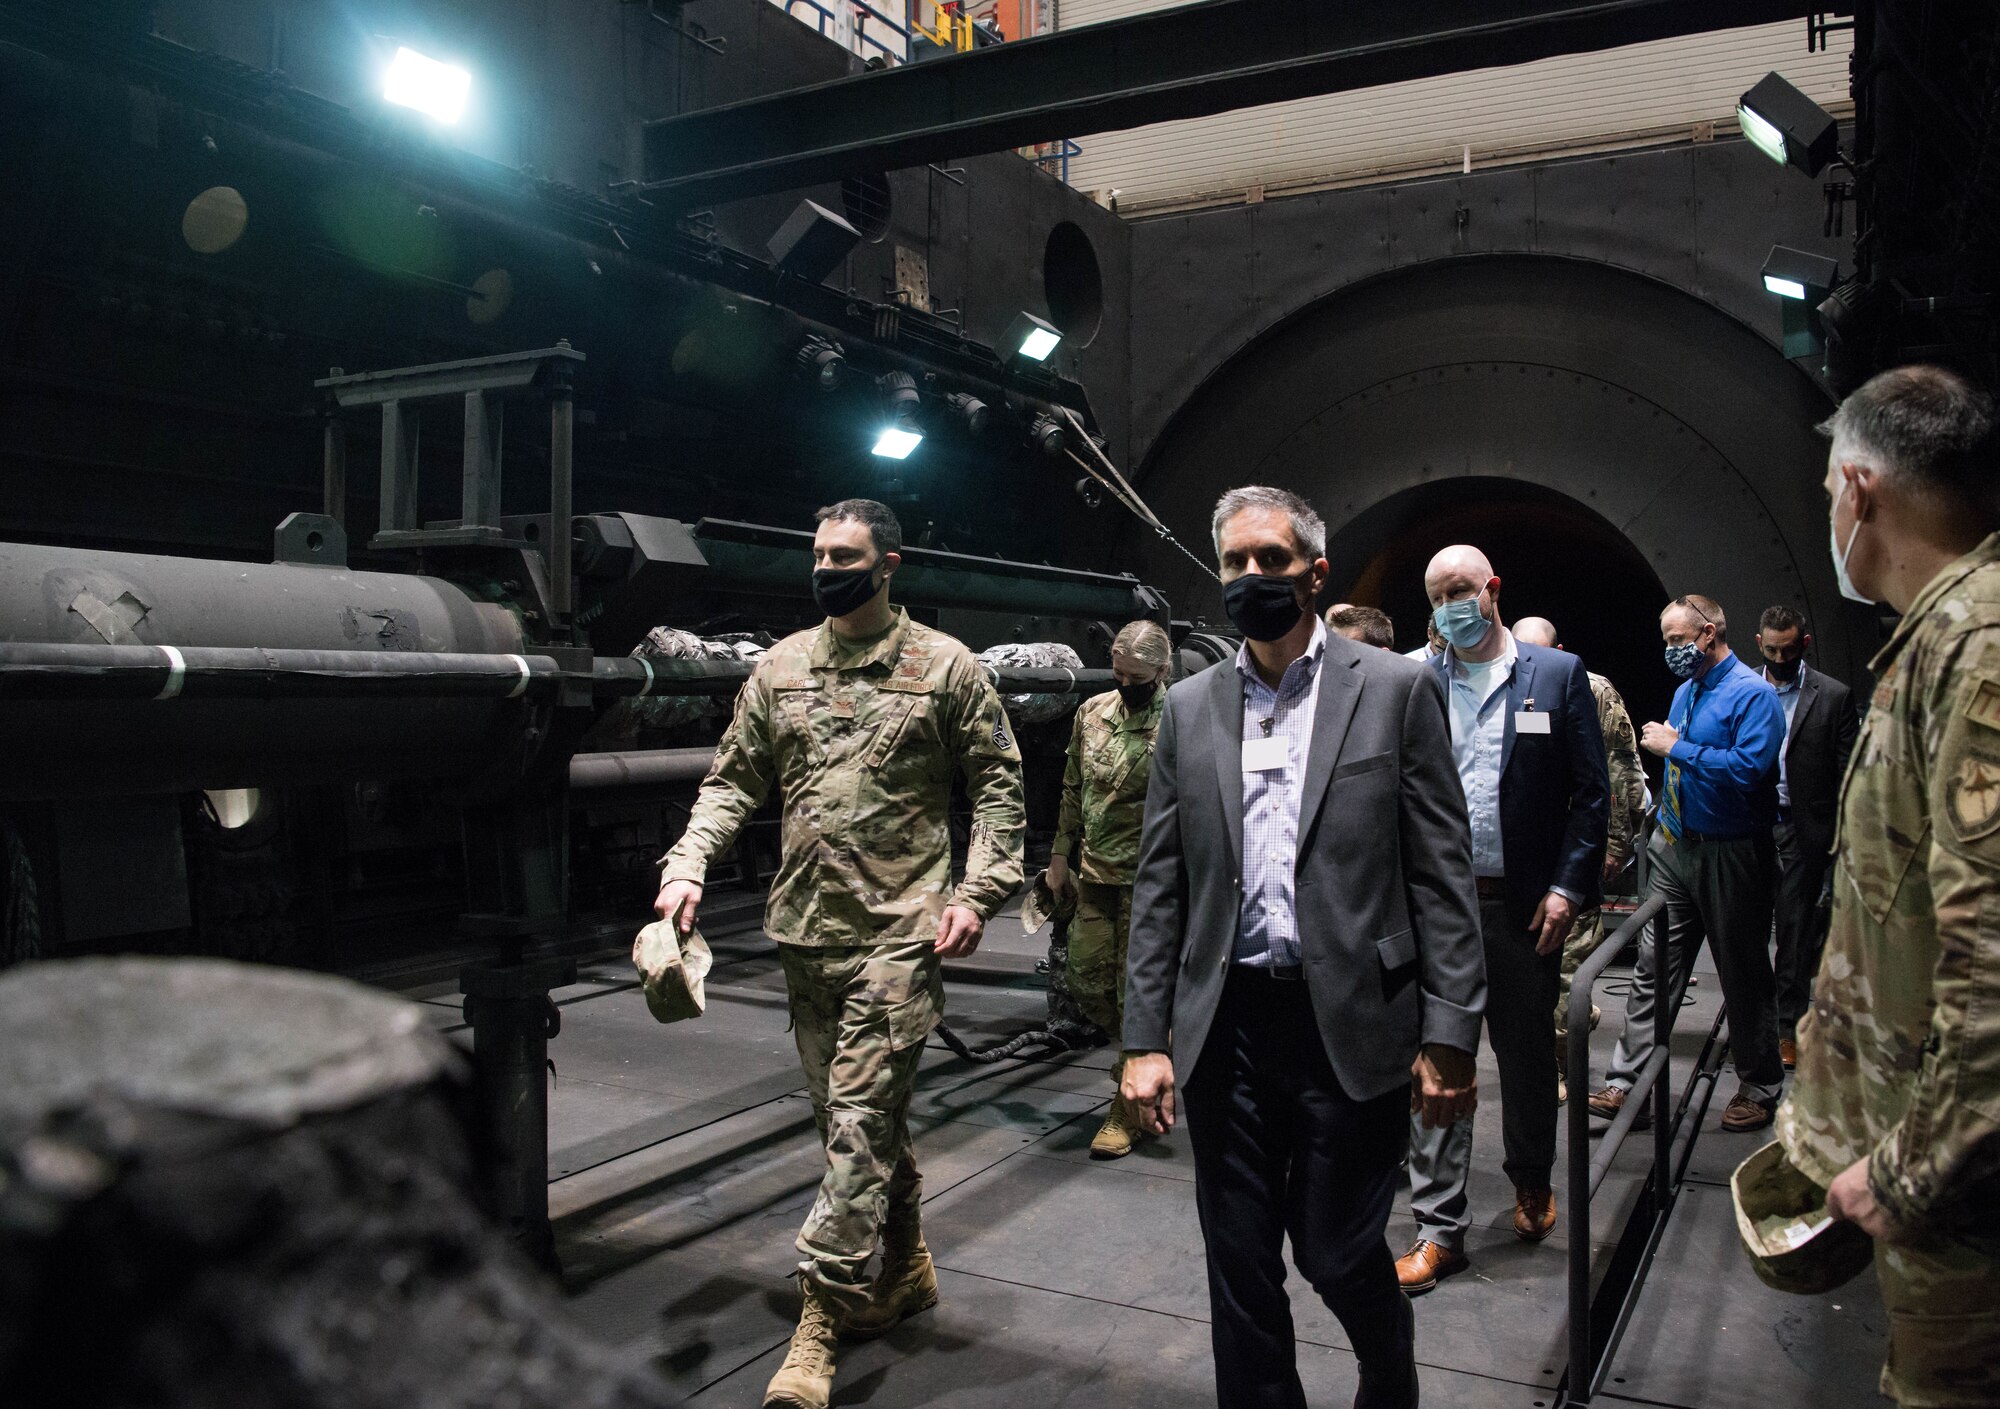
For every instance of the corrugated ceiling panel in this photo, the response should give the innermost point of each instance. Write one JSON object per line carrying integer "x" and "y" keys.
{"x": 1070, "y": 14}
{"x": 1640, "y": 93}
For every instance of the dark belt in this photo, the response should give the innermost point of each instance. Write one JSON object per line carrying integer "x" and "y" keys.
{"x": 1492, "y": 887}
{"x": 1285, "y": 973}
{"x": 1688, "y": 836}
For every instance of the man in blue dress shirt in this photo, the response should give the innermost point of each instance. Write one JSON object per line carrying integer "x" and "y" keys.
{"x": 1712, "y": 858}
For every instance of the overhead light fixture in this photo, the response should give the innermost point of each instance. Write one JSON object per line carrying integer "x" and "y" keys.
{"x": 1787, "y": 126}
{"x": 902, "y": 433}
{"x": 972, "y": 413}
{"x": 1046, "y": 435}
{"x": 895, "y": 443}
{"x": 812, "y": 242}
{"x": 1030, "y": 339}
{"x": 822, "y": 362}
{"x": 1791, "y": 273}
{"x": 432, "y": 87}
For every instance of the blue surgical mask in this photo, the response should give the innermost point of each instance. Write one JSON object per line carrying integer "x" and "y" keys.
{"x": 1461, "y": 623}
{"x": 1682, "y": 659}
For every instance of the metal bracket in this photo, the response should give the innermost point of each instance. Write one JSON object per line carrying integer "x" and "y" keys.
{"x": 483, "y": 384}
{"x": 309, "y": 540}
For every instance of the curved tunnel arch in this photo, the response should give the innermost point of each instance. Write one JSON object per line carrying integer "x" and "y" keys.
{"x": 1490, "y": 392}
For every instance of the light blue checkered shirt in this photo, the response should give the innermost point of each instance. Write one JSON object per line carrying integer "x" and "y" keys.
{"x": 1267, "y": 927}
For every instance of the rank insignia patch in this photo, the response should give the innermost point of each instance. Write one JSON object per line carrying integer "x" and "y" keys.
{"x": 1984, "y": 706}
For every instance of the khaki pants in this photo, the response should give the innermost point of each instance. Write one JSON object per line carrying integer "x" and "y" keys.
{"x": 1097, "y": 938}
{"x": 860, "y": 1016}
{"x": 1943, "y": 1300}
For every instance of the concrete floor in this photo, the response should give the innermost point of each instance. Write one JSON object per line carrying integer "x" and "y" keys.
{"x": 683, "y": 1160}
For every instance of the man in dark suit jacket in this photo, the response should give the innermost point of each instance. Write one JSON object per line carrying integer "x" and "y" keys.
{"x": 1820, "y": 728}
{"x": 1529, "y": 755}
{"x": 1304, "y": 957}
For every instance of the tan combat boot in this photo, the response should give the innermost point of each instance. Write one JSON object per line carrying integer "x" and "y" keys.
{"x": 906, "y": 1285}
{"x": 805, "y": 1380}
{"x": 1117, "y": 1135}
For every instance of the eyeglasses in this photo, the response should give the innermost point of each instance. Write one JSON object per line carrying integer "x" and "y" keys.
{"x": 1688, "y": 602}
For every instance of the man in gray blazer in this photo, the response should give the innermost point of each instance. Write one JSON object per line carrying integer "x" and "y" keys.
{"x": 1304, "y": 965}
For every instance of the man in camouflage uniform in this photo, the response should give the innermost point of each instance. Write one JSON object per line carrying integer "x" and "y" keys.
{"x": 1896, "y": 1106}
{"x": 1103, "y": 808}
{"x": 1627, "y": 819}
{"x": 860, "y": 722}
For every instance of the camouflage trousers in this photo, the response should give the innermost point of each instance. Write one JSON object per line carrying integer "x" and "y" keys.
{"x": 1097, "y": 938}
{"x": 1584, "y": 937}
{"x": 860, "y": 1016}
{"x": 1943, "y": 1300}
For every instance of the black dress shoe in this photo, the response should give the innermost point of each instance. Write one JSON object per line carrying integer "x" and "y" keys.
{"x": 1389, "y": 1381}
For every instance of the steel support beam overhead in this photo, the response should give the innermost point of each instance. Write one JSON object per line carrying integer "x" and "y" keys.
{"x": 1184, "y": 62}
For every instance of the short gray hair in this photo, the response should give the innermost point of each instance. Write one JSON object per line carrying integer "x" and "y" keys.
{"x": 1308, "y": 529}
{"x": 1926, "y": 425}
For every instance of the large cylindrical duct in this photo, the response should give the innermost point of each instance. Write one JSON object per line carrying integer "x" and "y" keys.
{"x": 108, "y": 747}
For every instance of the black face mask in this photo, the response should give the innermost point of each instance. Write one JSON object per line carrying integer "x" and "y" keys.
{"x": 1787, "y": 670}
{"x": 1262, "y": 606}
{"x": 1137, "y": 697}
{"x": 842, "y": 590}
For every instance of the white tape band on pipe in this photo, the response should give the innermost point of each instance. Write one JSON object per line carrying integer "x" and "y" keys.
{"x": 646, "y": 666}
{"x": 176, "y": 674}
{"x": 521, "y": 685}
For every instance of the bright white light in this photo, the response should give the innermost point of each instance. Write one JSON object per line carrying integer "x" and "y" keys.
{"x": 896, "y": 444}
{"x": 417, "y": 81}
{"x": 1039, "y": 343}
{"x": 1784, "y": 288}
{"x": 1762, "y": 134}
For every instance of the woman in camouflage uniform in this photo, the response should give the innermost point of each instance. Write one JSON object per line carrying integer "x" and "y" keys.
{"x": 1103, "y": 805}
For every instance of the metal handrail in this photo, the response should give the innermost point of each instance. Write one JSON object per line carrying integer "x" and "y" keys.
{"x": 1589, "y": 1347}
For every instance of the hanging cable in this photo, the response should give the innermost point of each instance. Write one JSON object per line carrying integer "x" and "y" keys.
{"x": 1122, "y": 490}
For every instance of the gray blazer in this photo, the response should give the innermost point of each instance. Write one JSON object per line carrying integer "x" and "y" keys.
{"x": 1388, "y": 915}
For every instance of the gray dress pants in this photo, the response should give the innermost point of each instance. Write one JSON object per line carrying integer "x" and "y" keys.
{"x": 1719, "y": 891}
{"x": 1520, "y": 994}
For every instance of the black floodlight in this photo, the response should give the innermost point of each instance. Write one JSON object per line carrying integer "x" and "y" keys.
{"x": 822, "y": 362}
{"x": 1795, "y": 274}
{"x": 972, "y": 413}
{"x": 1787, "y": 126}
{"x": 1030, "y": 339}
{"x": 1046, "y": 435}
{"x": 900, "y": 433}
{"x": 812, "y": 242}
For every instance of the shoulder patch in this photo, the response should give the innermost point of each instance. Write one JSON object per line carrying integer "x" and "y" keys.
{"x": 1001, "y": 738}
{"x": 1972, "y": 797}
{"x": 1984, "y": 706}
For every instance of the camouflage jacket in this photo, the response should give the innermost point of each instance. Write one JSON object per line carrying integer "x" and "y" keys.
{"x": 1104, "y": 786}
{"x": 1628, "y": 778}
{"x": 862, "y": 745}
{"x": 1899, "y": 1057}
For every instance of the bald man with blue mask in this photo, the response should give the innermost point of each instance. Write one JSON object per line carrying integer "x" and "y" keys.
{"x": 1530, "y": 759}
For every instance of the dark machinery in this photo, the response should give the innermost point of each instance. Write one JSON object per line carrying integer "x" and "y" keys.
{"x": 463, "y": 666}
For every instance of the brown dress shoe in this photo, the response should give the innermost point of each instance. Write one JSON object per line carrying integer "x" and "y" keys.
{"x": 1427, "y": 1263}
{"x": 1745, "y": 1114}
{"x": 1606, "y": 1104}
{"x": 1788, "y": 1052}
{"x": 1534, "y": 1214}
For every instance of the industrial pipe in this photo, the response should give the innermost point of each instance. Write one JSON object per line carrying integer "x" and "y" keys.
{"x": 778, "y": 562}
{"x": 33, "y": 671}
{"x": 641, "y": 676}
{"x": 642, "y": 768}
